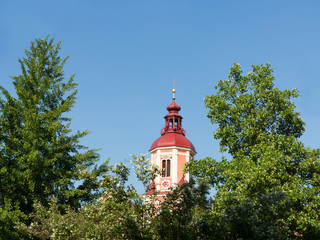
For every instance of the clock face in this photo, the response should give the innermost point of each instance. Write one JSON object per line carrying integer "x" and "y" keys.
{"x": 165, "y": 184}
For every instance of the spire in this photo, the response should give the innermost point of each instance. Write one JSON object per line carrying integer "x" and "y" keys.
{"x": 173, "y": 90}
{"x": 173, "y": 119}
{"x": 173, "y": 106}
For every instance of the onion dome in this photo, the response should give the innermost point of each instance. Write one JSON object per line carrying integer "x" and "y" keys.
{"x": 173, "y": 107}
{"x": 172, "y": 134}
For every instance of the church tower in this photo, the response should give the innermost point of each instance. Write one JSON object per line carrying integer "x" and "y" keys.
{"x": 170, "y": 152}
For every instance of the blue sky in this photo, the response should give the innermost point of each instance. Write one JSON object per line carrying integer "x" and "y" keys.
{"x": 125, "y": 54}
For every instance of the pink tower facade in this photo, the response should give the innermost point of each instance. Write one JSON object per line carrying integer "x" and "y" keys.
{"x": 170, "y": 152}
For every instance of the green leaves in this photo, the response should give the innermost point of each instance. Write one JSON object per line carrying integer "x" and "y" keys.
{"x": 118, "y": 214}
{"x": 143, "y": 168}
{"x": 50, "y": 187}
{"x": 258, "y": 126}
{"x": 184, "y": 214}
{"x": 248, "y": 109}
{"x": 39, "y": 157}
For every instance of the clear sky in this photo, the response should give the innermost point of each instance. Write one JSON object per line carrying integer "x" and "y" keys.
{"x": 125, "y": 54}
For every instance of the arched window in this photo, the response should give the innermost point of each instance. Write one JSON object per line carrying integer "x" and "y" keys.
{"x": 165, "y": 170}
{"x": 170, "y": 124}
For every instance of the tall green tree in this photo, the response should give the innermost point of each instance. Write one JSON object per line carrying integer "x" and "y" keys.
{"x": 40, "y": 157}
{"x": 269, "y": 166}
{"x": 119, "y": 214}
{"x": 184, "y": 214}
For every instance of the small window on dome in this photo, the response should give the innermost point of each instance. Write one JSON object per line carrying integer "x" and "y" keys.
{"x": 165, "y": 170}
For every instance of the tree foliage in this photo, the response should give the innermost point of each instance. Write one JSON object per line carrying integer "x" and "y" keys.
{"x": 119, "y": 214}
{"x": 50, "y": 187}
{"x": 184, "y": 214}
{"x": 144, "y": 170}
{"x": 270, "y": 167}
{"x": 40, "y": 157}
{"x": 249, "y": 111}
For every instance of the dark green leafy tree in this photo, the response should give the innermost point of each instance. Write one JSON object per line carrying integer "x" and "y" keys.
{"x": 259, "y": 128}
{"x": 40, "y": 157}
{"x": 249, "y": 110}
{"x": 144, "y": 170}
{"x": 9, "y": 216}
{"x": 119, "y": 214}
{"x": 184, "y": 214}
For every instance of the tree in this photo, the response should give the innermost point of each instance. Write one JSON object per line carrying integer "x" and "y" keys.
{"x": 183, "y": 214}
{"x": 119, "y": 214}
{"x": 40, "y": 157}
{"x": 144, "y": 170}
{"x": 258, "y": 126}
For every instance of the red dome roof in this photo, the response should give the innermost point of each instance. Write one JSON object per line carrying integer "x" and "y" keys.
{"x": 172, "y": 139}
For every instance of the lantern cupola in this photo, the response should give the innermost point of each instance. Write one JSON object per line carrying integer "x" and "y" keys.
{"x": 173, "y": 119}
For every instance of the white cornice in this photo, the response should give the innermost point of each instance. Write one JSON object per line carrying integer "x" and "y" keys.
{"x": 173, "y": 147}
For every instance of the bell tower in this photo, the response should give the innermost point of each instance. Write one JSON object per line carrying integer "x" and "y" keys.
{"x": 170, "y": 152}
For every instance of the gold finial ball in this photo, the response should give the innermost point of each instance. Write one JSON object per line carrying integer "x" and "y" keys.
{"x": 173, "y": 90}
